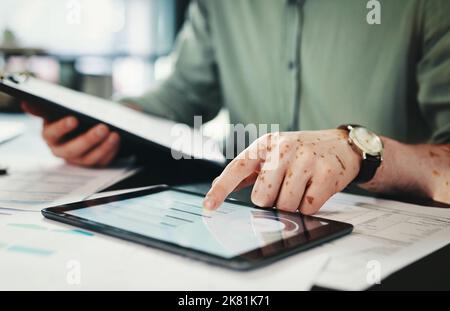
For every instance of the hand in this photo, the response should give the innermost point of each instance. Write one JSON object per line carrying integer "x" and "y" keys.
{"x": 95, "y": 148}
{"x": 291, "y": 170}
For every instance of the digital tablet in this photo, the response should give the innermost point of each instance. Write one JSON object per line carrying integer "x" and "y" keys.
{"x": 136, "y": 128}
{"x": 237, "y": 235}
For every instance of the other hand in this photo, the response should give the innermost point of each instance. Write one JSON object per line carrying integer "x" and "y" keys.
{"x": 97, "y": 147}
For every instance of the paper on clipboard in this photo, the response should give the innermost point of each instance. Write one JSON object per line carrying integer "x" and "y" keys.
{"x": 180, "y": 139}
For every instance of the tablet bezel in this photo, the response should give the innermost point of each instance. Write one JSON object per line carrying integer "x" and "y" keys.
{"x": 246, "y": 261}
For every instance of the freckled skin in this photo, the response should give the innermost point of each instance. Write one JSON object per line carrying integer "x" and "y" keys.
{"x": 417, "y": 170}
{"x": 433, "y": 154}
{"x": 340, "y": 162}
{"x": 314, "y": 165}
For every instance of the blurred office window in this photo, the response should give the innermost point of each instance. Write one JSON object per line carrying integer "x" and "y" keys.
{"x": 105, "y": 47}
{"x": 100, "y": 27}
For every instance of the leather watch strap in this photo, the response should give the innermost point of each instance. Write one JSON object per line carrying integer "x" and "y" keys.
{"x": 368, "y": 169}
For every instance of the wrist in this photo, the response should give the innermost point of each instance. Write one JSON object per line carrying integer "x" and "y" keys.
{"x": 399, "y": 173}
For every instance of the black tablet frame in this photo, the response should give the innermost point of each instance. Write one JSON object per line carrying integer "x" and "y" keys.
{"x": 247, "y": 261}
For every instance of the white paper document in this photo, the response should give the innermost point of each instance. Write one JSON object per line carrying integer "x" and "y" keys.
{"x": 33, "y": 184}
{"x": 61, "y": 257}
{"x": 388, "y": 236}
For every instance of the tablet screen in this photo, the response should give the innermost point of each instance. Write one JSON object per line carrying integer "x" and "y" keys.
{"x": 177, "y": 217}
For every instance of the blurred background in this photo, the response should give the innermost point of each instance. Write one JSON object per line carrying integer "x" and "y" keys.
{"x": 107, "y": 48}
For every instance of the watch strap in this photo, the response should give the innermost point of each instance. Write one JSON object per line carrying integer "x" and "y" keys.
{"x": 368, "y": 169}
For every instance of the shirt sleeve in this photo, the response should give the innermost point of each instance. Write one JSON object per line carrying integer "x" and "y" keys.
{"x": 433, "y": 72}
{"x": 192, "y": 89}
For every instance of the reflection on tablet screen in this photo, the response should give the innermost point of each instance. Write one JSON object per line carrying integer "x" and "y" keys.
{"x": 179, "y": 218}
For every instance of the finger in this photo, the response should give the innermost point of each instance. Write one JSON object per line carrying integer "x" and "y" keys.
{"x": 78, "y": 147}
{"x": 293, "y": 188}
{"x": 54, "y": 132}
{"x": 102, "y": 154}
{"x": 112, "y": 155}
{"x": 235, "y": 172}
{"x": 32, "y": 110}
{"x": 316, "y": 194}
{"x": 250, "y": 180}
{"x": 266, "y": 188}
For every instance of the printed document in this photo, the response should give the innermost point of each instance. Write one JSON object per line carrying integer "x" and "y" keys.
{"x": 34, "y": 184}
{"x": 388, "y": 236}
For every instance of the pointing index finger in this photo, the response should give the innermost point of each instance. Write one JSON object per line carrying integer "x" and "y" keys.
{"x": 238, "y": 170}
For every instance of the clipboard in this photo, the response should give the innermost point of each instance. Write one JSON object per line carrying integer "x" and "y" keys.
{"x": 138, "y": 130}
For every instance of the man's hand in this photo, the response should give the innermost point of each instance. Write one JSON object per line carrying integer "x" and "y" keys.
{"x": 96, "y": 148}
{"x": 291, "y": 170}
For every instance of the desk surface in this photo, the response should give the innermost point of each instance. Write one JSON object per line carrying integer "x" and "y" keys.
{"x": 429, "y": 273}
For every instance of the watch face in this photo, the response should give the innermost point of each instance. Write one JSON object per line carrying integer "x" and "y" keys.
{"x": 367, "y": 141}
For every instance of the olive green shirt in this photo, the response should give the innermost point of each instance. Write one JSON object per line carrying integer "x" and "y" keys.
{"x": 313, "y": 64}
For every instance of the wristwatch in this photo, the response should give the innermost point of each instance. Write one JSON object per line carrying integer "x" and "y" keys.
{"x": 369, "y": 146}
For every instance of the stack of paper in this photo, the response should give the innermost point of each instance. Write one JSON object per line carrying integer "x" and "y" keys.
{"x": 388, "y": 236}
{"x": 33, "y": 184}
